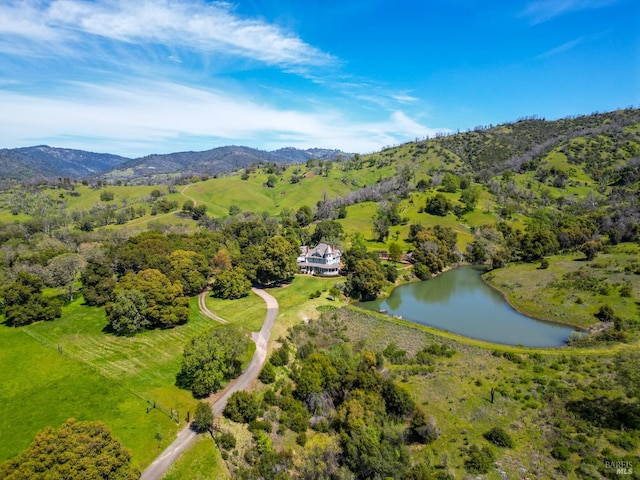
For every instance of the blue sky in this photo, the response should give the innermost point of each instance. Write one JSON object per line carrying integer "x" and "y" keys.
{"x": 158, "y": 76}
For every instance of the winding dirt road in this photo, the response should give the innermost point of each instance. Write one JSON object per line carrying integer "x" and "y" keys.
{"x": 205, "y": 310}
{"x": 186, "y": 436}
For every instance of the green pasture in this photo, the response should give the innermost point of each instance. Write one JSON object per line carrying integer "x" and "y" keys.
{"x": 7, "y": 217}
{"x": 89, "y": 196}
{"x": 44, "y": 388}
{"x": 98, "y": 376}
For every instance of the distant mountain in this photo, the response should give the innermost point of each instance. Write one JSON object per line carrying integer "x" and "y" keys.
{"x": 45, "y": 161}
{"x": 217, "y": 160}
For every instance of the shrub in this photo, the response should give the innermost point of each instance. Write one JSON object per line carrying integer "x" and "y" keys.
{"x": 268, "y": 373}
{"x": 439, "y": 350}
{"x": 479, "y": 460}
{"x": 605, "y": 313}
{"x": 203, "y": 418}
{"x": 625, "y": 440}
{"x": 226, "y": 440}
{"x": 560, "y": 452}
{"x": 263, "y": 425}
{"x": 421, "y": 271}
{"x": 280, "y": 357}
{"x": 269, "y": 397}
{"x": 499, "y": 437}
{"x": 513, "y": 357}
{"x": 242, "y": 407}
{"x": 565, "y": 467}
{"x": 394, "y": 354}
{"x": 626, "y": 290}
{"x": 106, "y": 196}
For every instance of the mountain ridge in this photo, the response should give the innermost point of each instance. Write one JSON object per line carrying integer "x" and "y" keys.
{"x": 45, "y": 161}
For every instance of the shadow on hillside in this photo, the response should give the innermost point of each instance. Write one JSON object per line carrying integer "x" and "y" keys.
{"x": 614, "y": 413}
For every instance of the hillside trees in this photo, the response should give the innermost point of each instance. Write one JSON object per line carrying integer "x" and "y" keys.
{"x": 435, "y": 247}
{"x": 127, "y": 312}
{"x": 242, "y": 407}
{"x": 211, "y": 359}
{"x": 203, "y": 417}
{"x": 328, "y": 231}
{"x": 76, "y": 450}
{"x": 438, "y": 205}
{"x": 304, "y": 215}
{"x": 63, "y": 270}
{"x": 362, "y": 420}
{"x": 469, "y": 198}
{"x": 537, "y": 242}
{"x": 190, "y": 269}
{"x": 98, "y": 281}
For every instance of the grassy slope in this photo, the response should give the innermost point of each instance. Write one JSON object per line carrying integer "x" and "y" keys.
{"x": 247, "y": 312}
{"x": 457, "y": 395}
{"x": 293, "y": 300}
{"x": 530, "y": 290}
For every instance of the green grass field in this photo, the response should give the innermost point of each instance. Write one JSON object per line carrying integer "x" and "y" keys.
{"x": 202, "y": 461}
{"x": 247, "y": 312}
{"x": 99, "y": 376}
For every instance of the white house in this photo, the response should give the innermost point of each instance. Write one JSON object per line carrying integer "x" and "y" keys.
{"x": 323, "y": 259}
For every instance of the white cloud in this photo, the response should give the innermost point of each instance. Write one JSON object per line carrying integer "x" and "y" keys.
{"x": 542, "y": 10}
{"x": 565, "y": 47}
{"x": 154, "y": 117}
{"x": 133, "y": 57}
{"x": 404, "y": 98}
{"x": 207, "y": 28}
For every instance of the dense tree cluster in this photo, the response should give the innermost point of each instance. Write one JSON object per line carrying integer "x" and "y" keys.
{"x": 146, "y": 299}
{"x": 435, "y": 249}
{"x": 24, "y": 302}
{"x": 76, "y": 450}
{"x": 366, "y": 276}
{"x": 364, "y": 421}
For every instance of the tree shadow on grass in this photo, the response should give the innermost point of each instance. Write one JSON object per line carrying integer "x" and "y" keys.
{"x": 614, "y": 413}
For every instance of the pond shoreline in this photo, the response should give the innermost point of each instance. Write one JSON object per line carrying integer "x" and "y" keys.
{"x": 465, "y": 304}
{"x": 505, "y": 296}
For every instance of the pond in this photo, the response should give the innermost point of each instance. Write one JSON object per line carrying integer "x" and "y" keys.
{"x": 459, "y": 301}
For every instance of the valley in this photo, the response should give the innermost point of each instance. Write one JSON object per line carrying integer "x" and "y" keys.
{"x": 112, "y": 267}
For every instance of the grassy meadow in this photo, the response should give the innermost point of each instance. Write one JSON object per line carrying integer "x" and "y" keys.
{"x": 572, "y": 289}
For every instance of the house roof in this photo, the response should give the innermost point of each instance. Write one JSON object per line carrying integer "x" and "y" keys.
{"x": 323, "y": 249}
